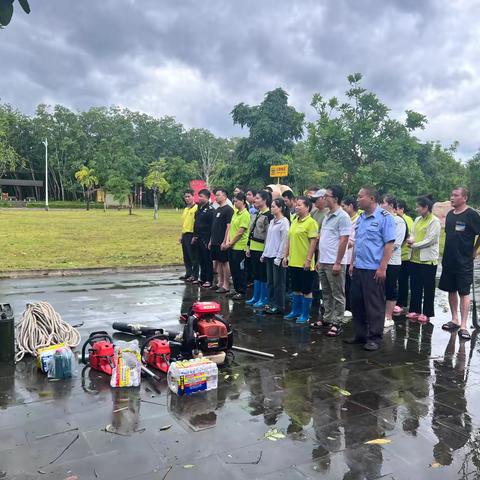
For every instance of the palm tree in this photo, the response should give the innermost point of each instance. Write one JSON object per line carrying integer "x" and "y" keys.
{"x": 86, "y": 178}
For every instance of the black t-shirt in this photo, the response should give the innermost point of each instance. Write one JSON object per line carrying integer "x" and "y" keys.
{"x": 203, "y": 222}
{"x": 460, "y": 230}
{"x": 221, "y": 218}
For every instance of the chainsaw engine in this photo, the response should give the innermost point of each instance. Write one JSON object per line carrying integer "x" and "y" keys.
{"x": 206, "y": 330}
{"x": 156, "y": 352}
{"x": 101, "y": 352}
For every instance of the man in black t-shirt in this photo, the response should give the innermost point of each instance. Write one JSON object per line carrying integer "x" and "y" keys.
{"x": 462, "y": 225}
{"x": 221, "y": 221}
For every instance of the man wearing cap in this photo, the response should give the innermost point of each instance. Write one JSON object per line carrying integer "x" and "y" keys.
{"x": 374, "y": 240}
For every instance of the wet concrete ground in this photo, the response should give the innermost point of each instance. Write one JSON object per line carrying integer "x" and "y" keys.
{"x": 420, "y": 393}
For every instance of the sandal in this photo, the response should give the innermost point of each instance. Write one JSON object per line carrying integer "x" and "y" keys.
{"x": 463, "y": 334}
{"x": 206, "y": 285}
{"x": 412, "y": 316}
{"x": 450, "y": 326}
{"x": 318, "y": 324}
{"x": 423, "y": 319}
{"x": 335, "y": 333}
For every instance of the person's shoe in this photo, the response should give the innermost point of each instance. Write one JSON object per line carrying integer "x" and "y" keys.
{"x": 397, "y": 310}
{"x": 296, "y": 308}
{"x": 190, "y": 279}
{"x": 214, "y": 287}
{"x": 423, "y": 319}
{"x": 412, "y": 316}
{"x": 263, "y": 300}
{"x": 221, "y": 290}
{"x": 272, "y": 311}
{"x": 354, "y": 341}
{"x": 371, "y": 346}
{"x": 389, "y": 323}
{"x": 256, "y": 293}
{"x": 347, "y": 314}
{"x": 238, "y": 296}
{"x": 305, "y": 316}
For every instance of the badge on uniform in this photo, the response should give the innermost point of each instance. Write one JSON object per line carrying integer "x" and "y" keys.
{"x": 218, "y": 214}
{"x": 374, "y": 224}
{"x": 460, "y": 226}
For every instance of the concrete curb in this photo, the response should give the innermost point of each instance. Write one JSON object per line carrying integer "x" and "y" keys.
{"x": 77, "y": 272}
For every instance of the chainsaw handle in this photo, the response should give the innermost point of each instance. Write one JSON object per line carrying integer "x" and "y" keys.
{"x": 98, "y": 335}
{"x": 160, "y": 336}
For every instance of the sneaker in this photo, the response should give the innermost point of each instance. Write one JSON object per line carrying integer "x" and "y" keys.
{"x": 371, "y": 346}
{"x": 347, "y": 314}
{"x": 397, "y": 310}
{"x": 389, "y": 323}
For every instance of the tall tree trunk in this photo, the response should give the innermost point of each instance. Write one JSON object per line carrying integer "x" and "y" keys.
{"x": 155, "y": 204}
{"x": 130, "y": 200}
{"x": 88, "y": 200}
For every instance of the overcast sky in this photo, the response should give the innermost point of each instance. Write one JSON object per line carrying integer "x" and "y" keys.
{"x": 196, "y": 59}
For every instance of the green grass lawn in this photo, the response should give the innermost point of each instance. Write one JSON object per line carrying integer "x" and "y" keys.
{"x": 64, "y": 239}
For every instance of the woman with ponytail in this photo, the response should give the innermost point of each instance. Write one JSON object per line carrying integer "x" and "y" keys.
{"x": 273, "y": 256}
{"x": 255, "y": 247}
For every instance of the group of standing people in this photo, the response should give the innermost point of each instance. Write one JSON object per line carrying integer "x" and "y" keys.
{"x": 365, "y": 255}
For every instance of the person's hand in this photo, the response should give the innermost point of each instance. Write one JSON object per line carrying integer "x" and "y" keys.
{"x": 410, "y": 241}
{"x": 475, "y": 253}
{"x": 262, "y": 259}
{"x": 277, "y": 261}
{"x": 307, "y": 264}
{"x": 209, "y": 245}
{"x": 317, "y": 266}
{"x": 336, "y": 269}
{"x": 350, "y": 270}
{"x": 223, "y": 246}
{"x": 380, "y": 275}
{"x": 285, "y": 262}
{"x": 247, "y": 252}
{"x": 194, "y": 240}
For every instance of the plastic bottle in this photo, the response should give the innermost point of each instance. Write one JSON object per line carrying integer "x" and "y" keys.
{"x": 190, "y": 376}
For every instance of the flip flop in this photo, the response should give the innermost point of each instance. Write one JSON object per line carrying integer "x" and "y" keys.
{"x": 335, "y": 333}
{"x": 463, "y": 334}
{"x": 423, "y": 319}
{"x": 450, "y": 326}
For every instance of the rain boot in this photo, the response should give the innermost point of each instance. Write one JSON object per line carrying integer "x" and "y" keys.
{"x": 305, "y": 316}
{"x": 263, "y": 300}
{"x": 296, "y": 307}
{"x": 256, "y": 293}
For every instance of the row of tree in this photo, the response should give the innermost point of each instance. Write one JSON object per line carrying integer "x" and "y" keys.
{"x": 354, "y": 141}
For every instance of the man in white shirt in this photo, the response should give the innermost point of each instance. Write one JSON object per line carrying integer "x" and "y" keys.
{"x": 332, "y": 260}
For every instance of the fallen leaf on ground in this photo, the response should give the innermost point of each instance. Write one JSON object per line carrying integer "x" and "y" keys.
{"x": 339, "y": 390}
{"x": 165, "y": 427}
{"x": 188, "y": 466}
{"x": 378, "y": 441}
{"x": 274, "y": 434}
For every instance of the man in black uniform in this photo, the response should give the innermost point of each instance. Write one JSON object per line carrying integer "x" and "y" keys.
{"x": 221, "y": 220}
{"x": 201, "y": 236}
{"x": 462, "y": 225}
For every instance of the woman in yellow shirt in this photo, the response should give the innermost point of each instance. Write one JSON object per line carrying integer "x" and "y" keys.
{"x": 299, "y": 257}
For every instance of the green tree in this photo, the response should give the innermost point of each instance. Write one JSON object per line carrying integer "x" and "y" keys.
{"x": 155, "y": 180}
{"x": 121, "y": 189}
{"x": 178, "y": 174}
{"x": 6, "y": 10}
{"x": 473, "y": 168}
{"x": 87, "y": 179}
{"x": 273, "y": 127}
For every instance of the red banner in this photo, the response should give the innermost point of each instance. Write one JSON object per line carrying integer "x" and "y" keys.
{"x": 196, "y": 186}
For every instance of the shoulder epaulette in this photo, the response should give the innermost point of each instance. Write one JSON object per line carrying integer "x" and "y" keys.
{"x": 385, "y": 213}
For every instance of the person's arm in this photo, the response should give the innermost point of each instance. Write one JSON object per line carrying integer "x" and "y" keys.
{"x": 431, "y": 235}
{"x": 283, "y": 241}
{"x": 225, "y": 238}
{"x": 342, "y": 247}
{"x": 381, "y": 272}
{"x": 237, "y": 237}
{"x": 311, "y": 252}
{"x": 352, "y": 261}
{"x": 476, "y": 229}
{"x": 400, "y": 236}
{"x": 287, "y": 253}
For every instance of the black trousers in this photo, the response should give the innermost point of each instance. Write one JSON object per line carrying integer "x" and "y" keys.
{"x": 422, "y": 287}
{"x": 259, "y": 269}
{"x": 348, "y": 290}
{"x": 205, "y": 260}
{"x": 236, "y": 260}
{"x": 404, "y": 284}
{"x": 368, "y": 305}
{"x": 190, "y": 257}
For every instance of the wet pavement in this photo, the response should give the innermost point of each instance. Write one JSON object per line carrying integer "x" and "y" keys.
{"x": 420, "y": 395}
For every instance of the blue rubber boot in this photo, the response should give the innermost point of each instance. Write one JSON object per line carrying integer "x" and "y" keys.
{"x": 305, "y": 316}
{"x": 296, "y": 307}
{"x": 263, "y": 300}
{"x": 256, "y": 293}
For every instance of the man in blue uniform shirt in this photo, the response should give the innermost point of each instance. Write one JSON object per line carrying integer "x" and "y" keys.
{"x": 374, "y": 239}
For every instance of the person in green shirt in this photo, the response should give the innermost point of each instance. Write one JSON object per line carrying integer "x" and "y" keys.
{"x": 255, "y": 246}
{"x": 425, "y": 250}
{"x": 236, "y": 244}
{"x": 404, "y": 277}
{"x": 299, "y": 258}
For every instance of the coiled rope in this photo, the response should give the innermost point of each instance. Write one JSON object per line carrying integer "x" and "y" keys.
{"x": 41, "y": 326}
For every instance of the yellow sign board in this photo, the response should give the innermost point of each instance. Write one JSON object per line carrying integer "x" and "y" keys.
{"x": 279, "y": 171}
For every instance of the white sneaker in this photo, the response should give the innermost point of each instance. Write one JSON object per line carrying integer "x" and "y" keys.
{"x": 388, "y": 323}
{"x": 347, "y": 314}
